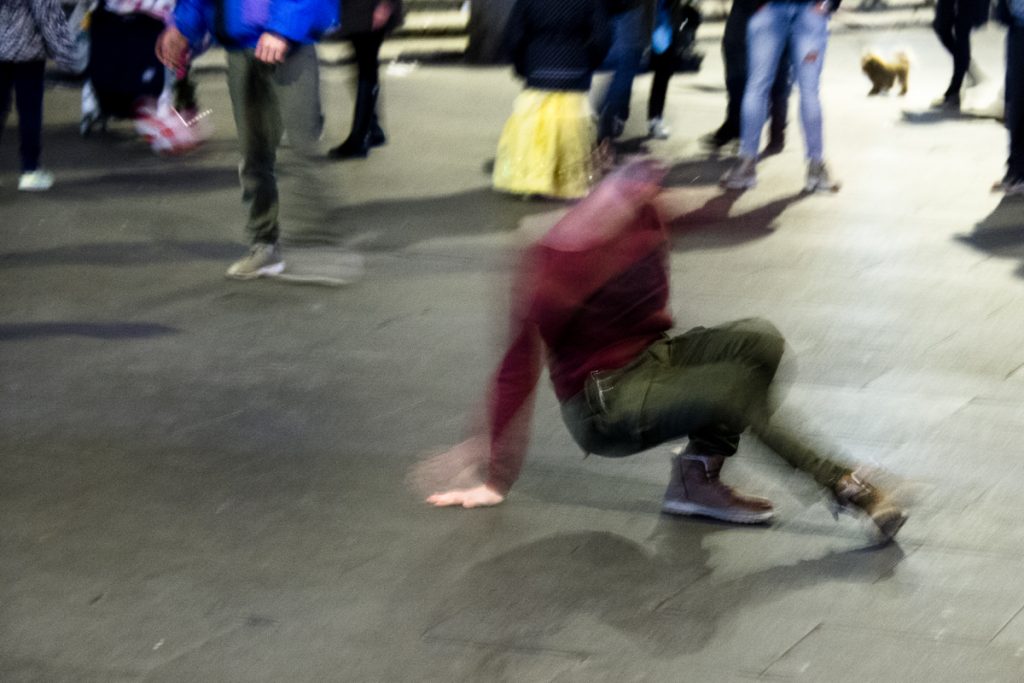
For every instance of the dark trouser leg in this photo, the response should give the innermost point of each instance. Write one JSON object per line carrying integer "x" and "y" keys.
{"x": 663, "y": 66}
{"x": 708, "y": 385}
{"x": 734, "y": 55}
{"x": 953, "y": 28}
{"x": 26, "y": 79}
{"x": 962, "y": 54}
{"x": 367, "y": 48}
{"x": 258, "y": 121}
{"x": 6, "y": 88}
{"x": 1015, "y": 100}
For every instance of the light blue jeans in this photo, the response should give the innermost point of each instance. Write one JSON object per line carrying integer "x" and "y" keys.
{"x": 803, "y": 28}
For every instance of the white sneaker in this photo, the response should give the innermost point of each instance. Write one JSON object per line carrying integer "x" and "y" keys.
{"x": 818, "y": 179}
{"x": 263, "y": 259}
{"x": 742, "y": 176}
{"x": 658, "y": 130}
{"x": 35, "y": 181}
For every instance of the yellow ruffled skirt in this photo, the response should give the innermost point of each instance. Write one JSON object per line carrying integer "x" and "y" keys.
{"x": 547, "y": 145}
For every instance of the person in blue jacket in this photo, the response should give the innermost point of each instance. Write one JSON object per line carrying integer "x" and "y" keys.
{"x": 274, "y": 83}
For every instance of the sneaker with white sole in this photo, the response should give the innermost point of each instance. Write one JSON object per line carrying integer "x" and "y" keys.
{"x": 695, "y": 489}
{"x": 263, "y": 259}
{"x": 35, "y": 181}
{"x": 742, "y": 176}
{"x": 658, "y": 130}
{"x": 819, "y": 179}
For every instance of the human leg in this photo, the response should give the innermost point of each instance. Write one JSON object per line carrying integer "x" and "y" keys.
{"x": 779, "y": 106}
{"x": 766, "y": 39}
{"x": 258, "y": 121}
{"x": 6, "y": 91}
{"x": 663, "y": 66}
{"x": 962, "y": 27}
{"x": 1015, "y": 109}
{"x": 624, "y": 57}
{"x": 807, "y": 52}
{"x": 297, "y": 84}
{"x": 366, "y": 131}
{"x": 734, "y": 56}
{"x": 28, "y": 98}
{"x": 767, "y": 36}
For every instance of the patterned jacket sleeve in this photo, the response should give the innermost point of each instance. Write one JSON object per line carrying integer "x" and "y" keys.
{"x": 53, "y": 27}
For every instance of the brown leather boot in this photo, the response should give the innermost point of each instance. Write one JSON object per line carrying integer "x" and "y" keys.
{"x": 854, "y": 491}
{"x": 695, "y": 489}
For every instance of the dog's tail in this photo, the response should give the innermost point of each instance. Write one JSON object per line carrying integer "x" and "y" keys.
{"x": 901, "y": 60}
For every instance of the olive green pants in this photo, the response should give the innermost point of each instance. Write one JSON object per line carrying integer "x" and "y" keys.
{"x": 267, "y": 100}
{"x": 708, "y": 385}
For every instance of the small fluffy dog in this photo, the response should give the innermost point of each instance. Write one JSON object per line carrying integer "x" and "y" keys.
{"x": 884, "y": 73}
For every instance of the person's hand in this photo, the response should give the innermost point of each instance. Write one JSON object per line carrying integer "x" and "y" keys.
{"x": 476, "y": 497}
{"x": 271, "y": 48}
{"x": 382, "y": 14}
{"x": 172, "y": 49}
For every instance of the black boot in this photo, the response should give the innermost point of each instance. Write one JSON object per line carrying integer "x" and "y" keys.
{"x": 357, "y": 144}
{"x": 376, "y": 138}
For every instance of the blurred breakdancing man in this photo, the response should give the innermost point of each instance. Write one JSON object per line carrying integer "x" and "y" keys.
{"x": 593, "y": 292}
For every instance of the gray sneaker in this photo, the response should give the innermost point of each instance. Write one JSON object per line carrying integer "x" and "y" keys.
{"x": 818, "y": 178}
{"x": 263, "y": 259}
{"x": 742, "y": 176}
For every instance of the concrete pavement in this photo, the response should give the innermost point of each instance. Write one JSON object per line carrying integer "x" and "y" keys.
{"x": 204, "y": 480}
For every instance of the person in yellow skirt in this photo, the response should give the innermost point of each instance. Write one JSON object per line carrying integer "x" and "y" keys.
{"x": 547, "y": 145}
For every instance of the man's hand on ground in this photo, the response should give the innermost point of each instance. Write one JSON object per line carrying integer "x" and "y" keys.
{"x": 478, "y": 496}
{"x": 172, "y": 49}
{"x": 271, "y": 48}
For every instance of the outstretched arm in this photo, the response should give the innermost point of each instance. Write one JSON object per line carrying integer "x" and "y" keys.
{"x": 497, "y": 459}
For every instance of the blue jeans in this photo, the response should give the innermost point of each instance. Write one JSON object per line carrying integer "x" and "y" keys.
{"x": 802, "y": 28}
{"x": 624, "y": 57}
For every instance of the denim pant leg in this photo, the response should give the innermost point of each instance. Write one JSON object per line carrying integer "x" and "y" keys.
{"x": 624, "y": 57}
{"x": 257, "y": 115}
{"x": 1015, "y": 100}
{"x": 767, "y": 36}
{"x": 807, "y": 52}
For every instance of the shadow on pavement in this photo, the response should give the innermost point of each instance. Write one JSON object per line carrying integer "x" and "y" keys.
{"x": 121, "y": 254}
{"x": 116, "y": 330}
{"x": 662, "y": 595}
{"x": 1001, "y": 233}
{"x": 711, "y": 227}
{"x": 386, "y": 225}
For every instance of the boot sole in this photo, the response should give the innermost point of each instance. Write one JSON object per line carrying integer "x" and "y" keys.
{"x": 889, "y": 523}
{"x": 673, "y": 507}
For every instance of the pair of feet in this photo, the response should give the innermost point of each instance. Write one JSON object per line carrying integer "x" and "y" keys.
{"x": 743, "y": 176}
{"x": 696, "y": 489}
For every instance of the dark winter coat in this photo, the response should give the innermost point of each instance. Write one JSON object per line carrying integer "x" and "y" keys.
{"x": 556, "y": 45}
{"x": 357, "y": 16}
{"x": 31, "y": 30}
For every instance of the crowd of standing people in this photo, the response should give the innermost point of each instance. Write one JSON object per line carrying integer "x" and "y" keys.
{"x": 554, "y": 143}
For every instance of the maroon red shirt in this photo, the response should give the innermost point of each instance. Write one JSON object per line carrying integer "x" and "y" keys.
{"x": 596, "y": 307}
